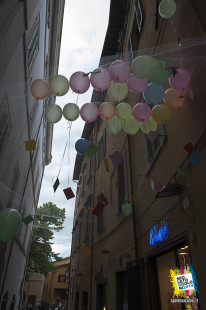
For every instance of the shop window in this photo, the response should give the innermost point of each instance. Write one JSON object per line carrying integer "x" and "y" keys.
{"x": 61, "y": 278}
{"x": 121, "y": 186}
{"x": 5, "y": 123}
{"x": 33, "y": 45}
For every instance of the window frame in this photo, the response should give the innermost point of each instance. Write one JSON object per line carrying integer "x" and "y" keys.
{"x": 5, "y": 117}
{"x": 33, "y": 40}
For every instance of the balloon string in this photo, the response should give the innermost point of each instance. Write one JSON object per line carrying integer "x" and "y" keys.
{"x": 70, "y": 127}
{"x": 63, "y": 157}
{"x": 77, "y": 99}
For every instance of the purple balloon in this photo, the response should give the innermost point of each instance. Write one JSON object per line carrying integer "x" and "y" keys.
{"x": 89, "y": 112}
{"x": 100, "y": 81}
{"x": 180, "y": 80}
{"x": 79, "y": 83}
{"x": 120, "y": 71}
{"x": 136, "y": 85}
{"x": 142, "y": 111}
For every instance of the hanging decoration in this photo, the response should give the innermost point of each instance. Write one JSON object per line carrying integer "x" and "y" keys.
{"x": 152, "y": 136}
{"x": 131, "y": 126}
{"x": 82, "y": 145}
{"x": 40, "y": 89}
{"x": 189, "y": 147}
{"x": 180, "y": 80}
{"x": 79, "y": 82}
{"x": 106, "y": 165}
{"x": 154, "y": 94}
{"x": 180, "y": 170}
{"x": 101, "y": 80}
{"x": 59, "y": 85}
{"x": 85, "y": 249}
{"x": 167, "y": 8}
{"x": 10, "y": 221}
{"x": 136, "y": 85}
{"x": 149, "y": 125}
{"x": 123, "y": 111}
{"x": 117, "y": 91}
{"x": 127, "y": 209}
{"x": 120, "y": 71}
{"x": 161, "y": 73}
{"x": 27, "y": 220}
{"x": 114, "y": 125}
{"x": 134, "y": 197}
{"x": 173, "y": 98}
{"x": 30, "y": 145}
{"x": 71, "y": 111}
{"x": 142, "y": 111}
{"x": 91, "y": 151}
{"x": 161, "y": 113}
{"x": 56, "y": 184}
{"x": 194, "y": 157}
{"x": 143, "y": 66}
{"x": 98, "y": 209}
{"x": 106, "y": 110}
{"x": 68, "y": 193}
{"x": 116, "y": 158}
{"x": 89, "y": 112}
{"x": 53, "y": 113}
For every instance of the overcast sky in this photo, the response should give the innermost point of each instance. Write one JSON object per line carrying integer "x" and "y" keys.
{"x": 84, "y": 28}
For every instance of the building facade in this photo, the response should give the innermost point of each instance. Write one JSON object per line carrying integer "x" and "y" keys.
{"x": 30, "y": 34}
{"x": 130, "y": 266}
{"x": 34, "y": 290}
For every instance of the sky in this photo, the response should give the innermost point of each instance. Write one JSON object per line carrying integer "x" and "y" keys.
{"x": 84, "y": 28}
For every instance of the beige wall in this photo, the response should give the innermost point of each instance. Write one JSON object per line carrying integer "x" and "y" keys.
{"x": 34, "y": 286}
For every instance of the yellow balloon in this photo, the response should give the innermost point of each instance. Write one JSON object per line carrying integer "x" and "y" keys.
{"x": 149, "y": 125}
{"x": 123, "y": 111}
{"x": 114, "y": 125}
{"x": 131, "y": 126}
{"x": 118, "y": 91}
{"x": 161, "y": 113}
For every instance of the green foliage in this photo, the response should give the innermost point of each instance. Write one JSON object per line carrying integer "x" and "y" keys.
{"x": 48, "y": 218}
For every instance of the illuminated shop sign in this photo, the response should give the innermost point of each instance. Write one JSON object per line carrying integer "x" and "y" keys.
{"x": 159, "y": 234}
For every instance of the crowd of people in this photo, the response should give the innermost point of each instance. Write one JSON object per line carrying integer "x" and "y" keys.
{"x": 55, "y": 305}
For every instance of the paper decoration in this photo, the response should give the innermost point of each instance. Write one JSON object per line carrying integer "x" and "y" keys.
{"x": 30, "y": 145}
{"x": 28, "y": 219}
{"x": 68, "y": 193}
{"x": 152, "y": 185}
{"x": 134, "y": 197}
{"x": 159, "y": 187}
{"x": 194, "y": 157}
{"x": 180, "y": 170}
{"x": 85, "y": 249}
{"x": 191, "y": 95}
{"x": 106, "y": 165}
{"x": 152, "y": 136}
{"x": 91, "y": 151}
{"x": 98, "y": 209}
{"x": 116, "y": 158}
{"x": 104, "y": 199}
{"x": 189, "y": 147}
{"x": 56, "y": 184}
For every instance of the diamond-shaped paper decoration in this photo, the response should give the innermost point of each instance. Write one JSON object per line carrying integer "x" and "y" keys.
{"x": 116, "y": 158}
{"x": 180, "y": 170}
{"x": 98, "y": 209}
{"x": 85, "y": 249}
{"x": 28, "y": 219}
{"x": 194, "y": 157}
{"x": 106, "y": 165}
{"x": 152, "y": 185}
{"x": 68, "y": 193}
{"x": 91, "y": 151}
{"x": 189, "y": 147}
{"x": 152, "y": 136}
{"x": 159, "y": 187}
{"x": 56, "y": 184}
{"x": 104, "y": 199}
{"x": 30, "y": 145}
{"x": 134, "y": 197}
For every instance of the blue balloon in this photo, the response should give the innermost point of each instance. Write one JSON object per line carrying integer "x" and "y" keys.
{"x": 82, "y": 145}
{"x": 154, "y": 94}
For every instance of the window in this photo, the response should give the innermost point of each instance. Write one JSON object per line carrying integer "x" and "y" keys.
{"x": 61, "y": 278}
{"x": 32, "y": 114}
{"x": 33, "y": 45}
{"x": 14, "y": 184}
{"x": 121, "y": 186}
{"x": 80, "y": 230}
{"x": 5, "y": 123}
{"x": 87, "y": 217}
{"x": 102, "y": 147}
{"x": 100, "y": 219}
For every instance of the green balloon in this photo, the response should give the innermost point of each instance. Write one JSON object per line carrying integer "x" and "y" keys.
{"x": 160, "y": 74}
{"x": 114, "y": 125}
{"x": 167, "y": 8}
{"x": 131, "y": 126}
{"x": 71, "y": 111}
{"x": 53, "y": 113}
{"x": 127, "y": 209}
{"x": 142, "y": 66}
{"x": 10, "y": 221}
{"x": 59, "y": 85}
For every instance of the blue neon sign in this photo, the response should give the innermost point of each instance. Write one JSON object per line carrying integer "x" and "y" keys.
{"x": 159, "y": 234}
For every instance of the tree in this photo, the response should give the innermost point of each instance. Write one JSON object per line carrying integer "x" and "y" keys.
{"x": 48, "y": 218}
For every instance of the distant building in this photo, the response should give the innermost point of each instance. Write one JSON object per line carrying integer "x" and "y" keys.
{"x": 30, "y": 37}
{"x": 34, "y": 289}
{"x": 129, "y": 265}
{"x": 57, "y": 282}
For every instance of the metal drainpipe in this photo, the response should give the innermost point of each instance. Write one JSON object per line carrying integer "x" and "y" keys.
{"x": 132, "y": 191}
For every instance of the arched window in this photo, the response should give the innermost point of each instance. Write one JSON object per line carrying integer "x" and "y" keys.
{"x": 5, "y": 300}
{"x": 13, "y": 302}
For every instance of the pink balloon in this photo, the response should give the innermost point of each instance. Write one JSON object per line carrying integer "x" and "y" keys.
{"x": 137, "y": 85}
{"x": 120, "y": 71}
{"x": 89, "y": 112}
{"x": 106, "y": 110}
{"x": 100, "y": 81}
{"x": 79, "y": 83}
{"x": 180, "y": 80}
{"x": 174, "y": 98}
{"x": 40, "y": 89}
{"x": 142, "y": 111}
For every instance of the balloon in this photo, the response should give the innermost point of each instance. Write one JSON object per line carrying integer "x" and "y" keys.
{"x": 53, "y": 113}
{"x": 167, "y": 8}
{"x": 136, "y": 85}
{"x": 161, "y": 73}
{"x": 114, "y": 125}
{"x": 71, "y": 111}
{"x": 79, "y": 83}
{"x": 143, "y": 66}
{"x": 59, "y": 85}
{"x": 100, "y": 81}
{"x": 106, "y": 110}
{"x": 149, "y": 125}
{"x": 127, "y": 209}
{"x": 123, "y": 111}
{"x": 40, "y": 89}
{"x": 161, "y": 113}
{"x": 181, "y": 79}
{"x": 117, "y": 91}
{"x": 131, "y": 126}
{"x": 89, "y": 112}
{"x": 120, "y": 71}
{"x": 174, "y": 98}
{"x": 153, "y": 94}
{"x": 9, "y": 223}
{"x": 142, "y": 111}
{"x": 82, "y": 145}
